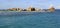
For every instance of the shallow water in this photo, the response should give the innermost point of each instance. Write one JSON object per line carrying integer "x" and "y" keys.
{"x": 32, "y": 20}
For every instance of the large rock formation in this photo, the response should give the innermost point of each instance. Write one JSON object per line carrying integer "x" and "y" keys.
{"x": 51, "y": 9}
{"x": 14, "y": 9}
{"x": 31, "y": 9}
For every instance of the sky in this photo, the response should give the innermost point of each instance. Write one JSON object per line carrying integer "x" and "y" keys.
{"x": 4, "y": 4}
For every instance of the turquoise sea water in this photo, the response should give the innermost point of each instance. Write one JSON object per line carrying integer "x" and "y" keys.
{"x": 34, "y": 20}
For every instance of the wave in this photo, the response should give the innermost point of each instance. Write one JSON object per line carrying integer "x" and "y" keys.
{"x": 19, "y": 13}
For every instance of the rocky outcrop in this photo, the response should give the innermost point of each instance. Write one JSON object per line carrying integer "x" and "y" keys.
{"x": 52, "y": 9}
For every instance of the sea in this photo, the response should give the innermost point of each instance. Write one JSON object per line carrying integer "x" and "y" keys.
{"x": 30, "y": 20}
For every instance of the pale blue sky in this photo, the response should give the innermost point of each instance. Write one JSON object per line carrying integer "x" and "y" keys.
{"x": 4, "y": 4}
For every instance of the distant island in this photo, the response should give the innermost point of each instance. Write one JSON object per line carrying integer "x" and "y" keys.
{"x": 31, "y": 9}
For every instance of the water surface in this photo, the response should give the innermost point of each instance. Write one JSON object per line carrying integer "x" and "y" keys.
{"x": 34, "y": 20}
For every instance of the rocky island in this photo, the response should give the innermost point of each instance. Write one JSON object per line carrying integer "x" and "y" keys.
{"x": 30, "y": 9}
